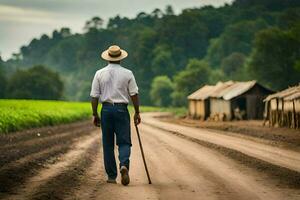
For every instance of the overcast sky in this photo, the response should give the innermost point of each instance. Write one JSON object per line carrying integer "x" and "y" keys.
{"x": 23, "y": 20}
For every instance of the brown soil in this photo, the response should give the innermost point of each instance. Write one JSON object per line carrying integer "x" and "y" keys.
{"x": 65, "y": 162}
{"x": 285, "y": 137}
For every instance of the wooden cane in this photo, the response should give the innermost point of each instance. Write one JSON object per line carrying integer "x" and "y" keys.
{"x": 142, "y": 151}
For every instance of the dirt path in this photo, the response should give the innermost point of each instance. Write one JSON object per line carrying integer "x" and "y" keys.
{"x": 277, "y": 156}
{"x": 65, "y": 162}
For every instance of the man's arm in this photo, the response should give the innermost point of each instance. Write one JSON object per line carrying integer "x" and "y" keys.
{"x": 136, "y": 104}
{"x": 96, "y": 119}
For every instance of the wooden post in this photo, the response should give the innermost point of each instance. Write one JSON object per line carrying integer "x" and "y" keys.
{"x": 295, "y": 121}
{"x": 277, "y": 113}
{"x": 282, "y": 113}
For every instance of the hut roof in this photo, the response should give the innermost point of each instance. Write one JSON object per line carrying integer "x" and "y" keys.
{"x": 206, "y": 91}
{"x": 237, "y": 89}
{"x": 201, "y": 94}
{"x": 287, "y": 94}
{"x": 226, "y": 90}
{"x": 293, "y": 96}
{"x": 220, "y": 88}
{"x": 231, "y": 89}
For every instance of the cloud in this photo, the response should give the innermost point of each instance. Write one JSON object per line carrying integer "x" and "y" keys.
{"x": 17, "y": 14}
{"x": 22, "y": 20}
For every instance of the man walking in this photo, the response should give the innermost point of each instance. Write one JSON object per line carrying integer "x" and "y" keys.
{"x": 113, "y": 86}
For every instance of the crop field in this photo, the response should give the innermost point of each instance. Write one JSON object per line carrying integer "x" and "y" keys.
{"x": 22, "y": 114}
{"x": 17, "y": 115}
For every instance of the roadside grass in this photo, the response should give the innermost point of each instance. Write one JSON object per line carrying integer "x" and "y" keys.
{"x": 16, "y": 115}
{"x": 177, "y": 111}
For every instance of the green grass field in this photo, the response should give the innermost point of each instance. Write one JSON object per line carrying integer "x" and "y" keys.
{"x": 22, "y": 114}
{"x": 17, "y": 115}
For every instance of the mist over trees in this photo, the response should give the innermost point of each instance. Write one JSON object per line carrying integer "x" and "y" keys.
{"x": 250, "y": 39}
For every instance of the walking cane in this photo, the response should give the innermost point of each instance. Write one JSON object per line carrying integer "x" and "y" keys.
{"x": 142, "y": 151}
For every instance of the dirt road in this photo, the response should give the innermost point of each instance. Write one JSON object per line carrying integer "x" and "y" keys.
{"x": 65, "y": 162}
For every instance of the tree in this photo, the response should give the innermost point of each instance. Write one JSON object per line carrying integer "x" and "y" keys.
{"x": 169, "y": 10}
{"x": 236, "y": 38}
{"x": 118, "y": 22}
{"x": 289, "y": 18}
{"x": 3, "y": 80}
{"x": 186, "y": 35}
{"x": 269, "y": 4}
{"x": 65, "y": 32}
{"x": 69, "y": 49}
{"x": 162, "y": 62}
{"x": 35, "y": 83}
{"x": 275, "y": 56}
{"x": 161, "y": 90}
{"x": 233, "y": 65}
{"x": 3, "y": 83}
{"x": 95, "y": 23}
{"x": 194, "y": 76}
{"x": 157, "y": 13}
{"x": 141, "y": 15}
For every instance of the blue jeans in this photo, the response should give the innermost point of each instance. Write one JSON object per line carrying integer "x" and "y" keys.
{"x": 115, "y": 121}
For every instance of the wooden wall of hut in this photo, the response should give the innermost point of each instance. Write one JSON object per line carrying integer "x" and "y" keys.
{"x": 192, "y": 108}
{"x": 198, "y": 109}
{"x": 220, "y": 109}
{"x": 284, "y": 113}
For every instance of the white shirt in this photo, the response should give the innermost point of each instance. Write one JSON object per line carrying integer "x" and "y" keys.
{"x": 114, "y": 84}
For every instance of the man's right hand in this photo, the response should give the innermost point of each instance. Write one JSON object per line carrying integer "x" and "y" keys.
{"x": 96, "y": 121}
{"x": 137, "y": 118}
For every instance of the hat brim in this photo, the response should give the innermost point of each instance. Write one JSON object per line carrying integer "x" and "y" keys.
{"x": 105, "y": 55}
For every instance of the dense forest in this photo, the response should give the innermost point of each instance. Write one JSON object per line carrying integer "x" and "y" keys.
{"x": 170, "y": 55}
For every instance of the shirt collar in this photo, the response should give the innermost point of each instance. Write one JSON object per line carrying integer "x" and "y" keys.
{"x": 113, "y": 65}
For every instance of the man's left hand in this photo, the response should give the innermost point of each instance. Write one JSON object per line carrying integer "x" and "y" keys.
{"x": 137, "y": 119}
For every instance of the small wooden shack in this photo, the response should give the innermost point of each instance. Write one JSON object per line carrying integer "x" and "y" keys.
{"x": 282, "y": 109}
{"x": 199, "y": 102}
{"x": 241, "y": 100}
{"x": 228, "y": 100}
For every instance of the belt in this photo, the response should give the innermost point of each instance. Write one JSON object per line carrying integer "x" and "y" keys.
{"x": 114, "y": 104}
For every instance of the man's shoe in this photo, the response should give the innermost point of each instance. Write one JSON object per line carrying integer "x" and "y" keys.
{"x": 125, "y": 176}
{"x": 111, "y": 180}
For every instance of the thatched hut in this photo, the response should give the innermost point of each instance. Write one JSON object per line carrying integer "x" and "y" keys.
{"x": 228, "y": 100}
{"x": 199, "y": 102}
{"x": 283, "y": 108}
{"x": 240, "y": 100}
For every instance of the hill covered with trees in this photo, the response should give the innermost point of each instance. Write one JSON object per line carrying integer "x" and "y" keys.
{"x": 249, "y": 39}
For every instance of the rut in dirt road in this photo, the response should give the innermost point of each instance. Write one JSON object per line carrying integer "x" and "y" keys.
{"x": 67, "y": 164}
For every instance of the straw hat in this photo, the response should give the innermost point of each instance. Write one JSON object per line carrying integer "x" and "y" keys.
{"x": 114, "y": 53}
